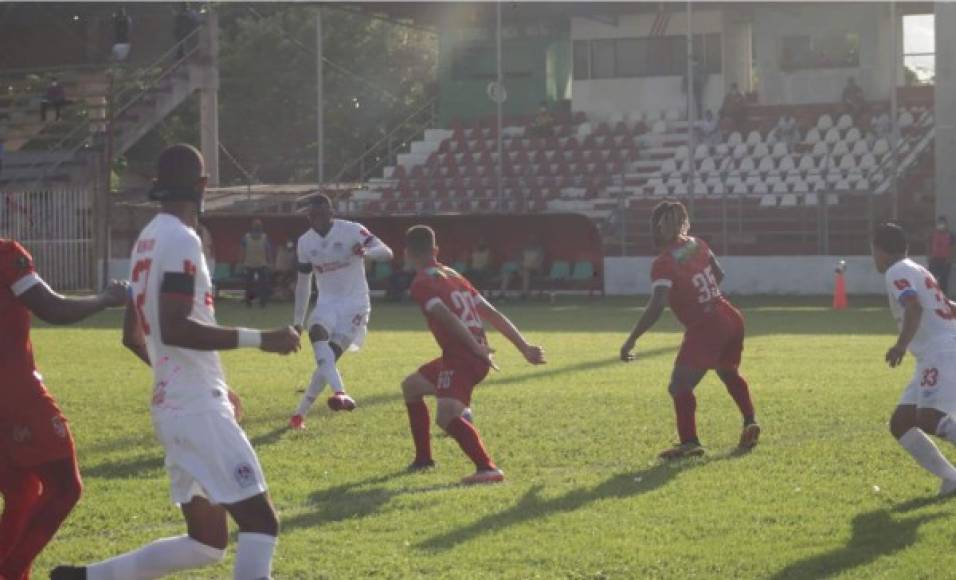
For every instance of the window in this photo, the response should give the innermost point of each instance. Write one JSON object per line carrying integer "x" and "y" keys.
{"x": 815, "y": 52}
{"x": 649, "y": 56}
{"x": 480, "y": 63}
{"x": 919, "y": 49}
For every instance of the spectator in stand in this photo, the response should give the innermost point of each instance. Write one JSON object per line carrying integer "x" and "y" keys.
{"x": 187, "y": 20}
{"x": 285, "y": 274}
{"x": 256, "y": 258}
{"x": 700, "y": 85}
{"x": 854, "y": 100}
{"x": 121, "y": 25}
{"x": 55, "y": 97}
{"x": 399, "y": 281}
{"x": 543, "y": 124}
{"x": 531, "y": 266}
{"x": 785, "y": 131}
{"x": 735, "y": 108}
{"x": 941, "y": 253}
{"x": 708, "y": 129}
{"x": 881, "y": 126}
{"x": 479, "y": 266}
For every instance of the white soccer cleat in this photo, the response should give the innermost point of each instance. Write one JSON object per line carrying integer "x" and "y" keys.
{"x": 341, "y": 402}
{"x": 484, "y": 476}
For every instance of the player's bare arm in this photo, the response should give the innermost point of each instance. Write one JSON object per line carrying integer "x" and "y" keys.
{"x": 54, "y": 308}
{"x": 179, "y": 329}
{"x": 303, "y": 291}
{"x": 912, "y": 315}
{"x": 375, "y": 250}
{"x": 448, "y": 319}
{"x": 652, "y": 313}
{"x": 716, "y": 269}
{"x": 134, "y": 339}
{"x": 533, "y": 354}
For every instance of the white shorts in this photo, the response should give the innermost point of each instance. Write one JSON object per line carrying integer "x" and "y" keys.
{"x": 347, "y": 324}
{"x": 934, "y": 383}
{"x": 209, "y": 455}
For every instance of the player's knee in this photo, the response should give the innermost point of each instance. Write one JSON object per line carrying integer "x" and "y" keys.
{"x": 318, "y": 333}
{"x": 728, "y": 376}
{"x": 676, "y": 388}
{"x": 900, "y": 424}
{"x": 207, "y": 554}
{"x": 928, "y": 420}
{"x": 410, "y": 389}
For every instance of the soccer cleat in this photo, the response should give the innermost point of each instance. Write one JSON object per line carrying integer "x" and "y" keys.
{"x": 484, "y": 476}
{"x": 682, "y": 451}
{"x": 947, "y": 488}
{"x": 341, "y": 402}
{"x": 68, "y": 573}
{"x": 749, "y": 437}
{"x": 297, "y": 422}
{"x": 416, "y": 466}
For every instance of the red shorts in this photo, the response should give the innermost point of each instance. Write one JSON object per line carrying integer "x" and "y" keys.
{"x": 715, "y": 345}
{"x": 453, "y": 378}
{"x": 33, "y": 431}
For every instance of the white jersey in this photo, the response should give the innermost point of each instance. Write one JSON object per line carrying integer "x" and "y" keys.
{"x": 339, "y": 271}
{"x": 185, "y": 380}
{"x": 937, "y": 329}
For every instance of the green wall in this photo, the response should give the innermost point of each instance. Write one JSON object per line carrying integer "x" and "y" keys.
{"x": 536, "y": 59}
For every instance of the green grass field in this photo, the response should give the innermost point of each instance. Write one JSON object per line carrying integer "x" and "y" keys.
{"x": 827, "y": 494}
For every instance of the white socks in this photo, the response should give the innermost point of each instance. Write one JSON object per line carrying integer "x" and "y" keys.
{"x": 325, "y": 362}
{"x": 925, "y": 452}
{"x": 156, "y": 560}
{"x": 947, "y": 428}
{"x": 254, "y": 556}
{"x": 312, "y": 393}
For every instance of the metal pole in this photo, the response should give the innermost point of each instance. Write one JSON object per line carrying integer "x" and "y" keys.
{"x": 107, "y": 185}
{"x": 691, "y": 113}
{"x": 319, "y": 101}
{"x": 499, "y": 101}
{"x": 894, "y": 108}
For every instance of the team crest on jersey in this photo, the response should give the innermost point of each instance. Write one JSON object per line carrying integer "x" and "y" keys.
{"x": 245, "y": 475}
{"x": 58, "y": 427}
{"x": 687, "y": 251}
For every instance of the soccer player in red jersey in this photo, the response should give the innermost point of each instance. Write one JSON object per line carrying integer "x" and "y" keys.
{"x": 454, "y": 311}
{"x": 687, "y": 275}
{"x": 39, "y": 477}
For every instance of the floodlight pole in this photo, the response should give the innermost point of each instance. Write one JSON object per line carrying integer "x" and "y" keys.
{"x": 691, "y": 112}
{"x": 320, "y": 101}
{"x": 894, "y": 109}
{"x": 498, "y": 101}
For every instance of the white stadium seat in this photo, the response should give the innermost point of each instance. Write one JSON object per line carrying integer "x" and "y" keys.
{"x": 840, "y": 149}
{"x": 813, "y": 136}
{"x": 853, "y": 135}
{"x": 768, "y": 200}
{"x": 861, "y": 148}
{"x": 747, "y": 166}
{"x": 847, "y": 163}
{"x": 722, "y": 150}
{"x": 787, "y": 164}
{"x": 833, "y": 135}
{"x": 672, "y": 115}
{"x": 740, "y": 151}
{"x": 681, "y": 153}
{"x": 881, "y": 147}
{"x": 766, "y": 165}
{"x": 780, "y": 187}
{"x": 825, "y": 122}
{"x": 681, "y": 189}
{"x": 717, "y": 188}
{"x": 867, "y": 162}
{"x": 708, "y": 166}
{"x": 740, "y": 189}
{"x": 788, "y": 200}
{"x": 636, "y": 117}
{"x": 754, "y": 182}
{"x": 735, "y": 139}
{"x": 760, "y": 151}
{"x": 811, "y": 200}
{"x": 820, "y": 149}
{"x": 754, "y": 138}
{"x": 659, "y": 128}
{"x": 669, "y": 166}
{"x": 779, "y": 150}
{"x": 801, "y": 187}
{"x": 660, "y": 190}
{"x": 906, "y": 120}
{"x": 845, "y": 122}
{"x": 701, "y": 152}
{"x": 842, "y": 185}
{"x": 807, "y": 163}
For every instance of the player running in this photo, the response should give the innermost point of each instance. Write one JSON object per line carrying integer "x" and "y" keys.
{"x": 39, "y": 477}
{"x": 336, "y": 251}
{"x": 687, "y": 275}
{"x": 170, "y": 324}
{"x": 927, "y": 323}
{"x": 454, "y": 311}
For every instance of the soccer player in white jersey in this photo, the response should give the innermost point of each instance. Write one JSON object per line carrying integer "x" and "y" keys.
{"x": 170, "y": 324}
{"x": 927, "y": 323}
{"x": 335, "y": 250}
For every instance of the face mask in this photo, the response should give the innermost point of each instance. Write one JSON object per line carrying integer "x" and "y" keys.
{"x": 941, "y": 227}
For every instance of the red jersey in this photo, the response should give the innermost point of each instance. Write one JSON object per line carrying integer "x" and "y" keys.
{"x": 439, "y": 283}
{"x": 16, "y": 277}
{"x": 685, "y": 267}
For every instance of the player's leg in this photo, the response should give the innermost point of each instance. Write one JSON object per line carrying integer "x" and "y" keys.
{"x": 257, "y": 538}
{"x": 204, "y": 544}
{"x": 414, "y": 389}
{"x": 60, "y": 490}
{"x": 904, "y": 426}
{"x": 451, "y": 418}
{"x": 326, "y": 371}
{"x": 728, "y": 369}
{"x": 348, "y": 333}
{"x": 20, "y": 489}
{"x": 684, "y": 380}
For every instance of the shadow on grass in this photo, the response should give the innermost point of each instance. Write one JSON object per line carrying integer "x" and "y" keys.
{"x": 875, "y": 534}
{"x": 532, "y": 507}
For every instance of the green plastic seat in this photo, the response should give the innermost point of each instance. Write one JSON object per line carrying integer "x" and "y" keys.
{"x": 223, "y": 271}
{"x": 583, "y": 270}
{"x": 459, "y": 266}
{"x": 382, "y": 271}
{"x": 560, "y": 270}
{"x": 509, "y": 267}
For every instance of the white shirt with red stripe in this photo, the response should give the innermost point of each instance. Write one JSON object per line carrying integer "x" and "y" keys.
{"x": 937, "y": 328}
{"x": 339, "y": 271}
{"x": 185, "y": 381}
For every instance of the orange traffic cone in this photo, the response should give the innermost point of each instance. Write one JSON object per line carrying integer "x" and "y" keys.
{"x": 839, "y": 292}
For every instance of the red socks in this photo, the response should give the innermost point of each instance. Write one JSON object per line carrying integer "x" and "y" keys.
{"x": 470, "y": 442}
{"x": 420, "y": 424}
{"x": 740, "y": 391}
{"x": 685, "y": 404}
{"x": 20, "y": 490}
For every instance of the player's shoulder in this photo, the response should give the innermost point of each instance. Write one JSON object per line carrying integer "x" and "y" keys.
{"x": 903, "y": 268}
{"x": 10, "y": 247}
{"x": 349, "y": 225}
{"x": 308, "y": 237}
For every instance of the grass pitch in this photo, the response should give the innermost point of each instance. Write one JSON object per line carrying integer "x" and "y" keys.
{"x": 826, "y": 494}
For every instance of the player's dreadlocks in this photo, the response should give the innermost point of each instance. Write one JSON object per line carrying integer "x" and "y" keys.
{"x": 669, "y": 222}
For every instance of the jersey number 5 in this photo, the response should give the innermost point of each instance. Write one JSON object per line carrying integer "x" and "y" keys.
{"x": 706, "y": 284}
{"x": 141, "y": 269}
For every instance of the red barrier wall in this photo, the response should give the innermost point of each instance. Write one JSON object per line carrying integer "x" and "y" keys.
{"x": 565, "y": 236}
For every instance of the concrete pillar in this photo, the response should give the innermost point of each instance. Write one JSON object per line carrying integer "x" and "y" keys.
{"x": 209, "y": 96}
{"x": 945, "y": 114}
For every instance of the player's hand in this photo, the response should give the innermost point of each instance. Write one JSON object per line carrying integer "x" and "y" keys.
{"x": 236, "y": 405}
{"x": 283, "y": 340}
{"x": 359, "y": 250}
{"x": 534, "y": 354}
{"x": 895, "y": 355}
{"x": 116, "y": 293}
{"x": 299, "y": 328}
{"x": 627, "y": 351}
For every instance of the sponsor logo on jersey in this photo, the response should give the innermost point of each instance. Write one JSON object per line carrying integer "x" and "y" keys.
{"x": 21, "y": 434}
{"x": 58, "y": 427}
{"x": 245, "y": 475}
